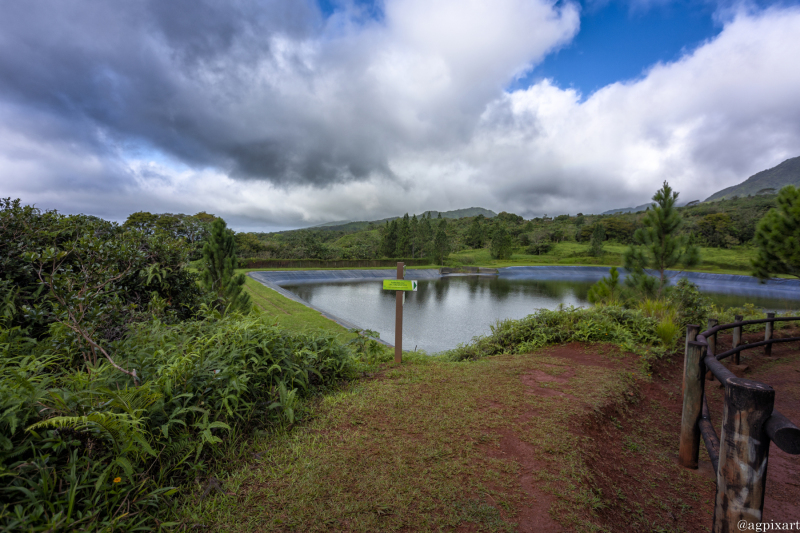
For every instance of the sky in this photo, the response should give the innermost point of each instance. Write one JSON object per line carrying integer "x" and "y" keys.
{"x": 278, "y": 114}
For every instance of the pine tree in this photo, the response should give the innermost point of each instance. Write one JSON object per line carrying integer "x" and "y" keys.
{"x": 658, "y": 246}
{"x": 389, "y": 242}
{"x": 778, "y": 237}
{"x": 426, "y": 236}
{"x": 415, "y": 236}
{"x": 441, "y": 244}
{"x": 219, "y": 262}
{"x": 475, "y": 234}
{"x": 596, "y": 244}
{"x": 403, "y": 237}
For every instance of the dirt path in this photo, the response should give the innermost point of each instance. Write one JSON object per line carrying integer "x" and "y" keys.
{"x": 570, "y": 438}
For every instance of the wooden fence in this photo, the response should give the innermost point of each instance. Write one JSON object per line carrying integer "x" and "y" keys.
{"x": 749, "y": 422}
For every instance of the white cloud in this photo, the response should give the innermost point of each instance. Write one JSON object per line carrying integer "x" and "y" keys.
{"x": 365, "y": 119}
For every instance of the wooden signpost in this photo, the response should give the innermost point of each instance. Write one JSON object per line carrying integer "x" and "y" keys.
{"x": 400, "y": 286}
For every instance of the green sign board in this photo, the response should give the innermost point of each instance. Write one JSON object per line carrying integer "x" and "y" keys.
{"x": 399, "y": 285}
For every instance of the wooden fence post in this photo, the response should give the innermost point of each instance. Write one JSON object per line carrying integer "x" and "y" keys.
{"x": 712, "y": 340}
{"x": 693, "y": 381}
{"x": 768, "y": 334}
{"x": 737, "y": 338}
{"x": 743, "y": 453}
{"x": 398, "y": 318}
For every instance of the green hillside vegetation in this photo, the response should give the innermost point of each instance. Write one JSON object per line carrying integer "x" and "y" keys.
{"x": 724, "y": 231}
{"x": 348, "y": 226}
{"x": 768, "y": 181}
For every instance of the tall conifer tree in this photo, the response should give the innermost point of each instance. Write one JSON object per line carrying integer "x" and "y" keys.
{"x": 219, "y": 262}
{"x": 403, "y": 237}
{"x": 415, "y": 240}
{"x": 658, "y": 246}
{"x": 441, "y": 243}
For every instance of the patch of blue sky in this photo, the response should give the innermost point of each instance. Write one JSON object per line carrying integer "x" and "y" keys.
{"x": 146, "y": 154}
{"x": 369, "y": 8}
{"x": 620, "y": 40}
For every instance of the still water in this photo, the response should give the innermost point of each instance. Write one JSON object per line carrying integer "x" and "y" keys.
{"x": 445, "y": 312}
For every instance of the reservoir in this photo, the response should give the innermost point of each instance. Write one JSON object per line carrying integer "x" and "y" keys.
{"x": 449, "y": 310}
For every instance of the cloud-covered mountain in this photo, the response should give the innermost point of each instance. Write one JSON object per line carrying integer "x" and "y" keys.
{"x": 767, "y": 181}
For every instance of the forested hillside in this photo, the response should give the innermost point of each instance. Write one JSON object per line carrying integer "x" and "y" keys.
{"x": 720, "y": 224}
{"x": 768, "y": 181}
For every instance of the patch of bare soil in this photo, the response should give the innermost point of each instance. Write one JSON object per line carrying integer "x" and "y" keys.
{"x": 632, "y": 455}
{"x": 630, "y": 447}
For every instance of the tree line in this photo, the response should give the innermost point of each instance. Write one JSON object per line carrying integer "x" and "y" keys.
{"x": 721, "y": 224}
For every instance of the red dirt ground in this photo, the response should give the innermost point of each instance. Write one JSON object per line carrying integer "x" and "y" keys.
{"x": 649, "y": 486}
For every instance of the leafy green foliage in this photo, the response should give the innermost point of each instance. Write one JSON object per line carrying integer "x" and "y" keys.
{"x": 67, "y": 434}
{"x": 476, "y": 235}
{"x": 502, "y": 243}
{"x": 778, "y": 237}
{"x": 219, "y": 262}
{"x": 691, "y": 305}
{"x": 119, "y": 382}
{"x": 607, "y": 290}
{"x": 70, "y": 270}
{"x": 658, "y": 246}
{"x": 630, "y": 329}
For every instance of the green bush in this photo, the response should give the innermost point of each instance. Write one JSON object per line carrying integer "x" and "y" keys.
{"x": 630, "y": 329}
{"x": 120, "y": 380}
{"x": 82, "y": 447}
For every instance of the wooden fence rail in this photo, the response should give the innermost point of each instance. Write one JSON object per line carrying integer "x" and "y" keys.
{"x": 749, "y": 422}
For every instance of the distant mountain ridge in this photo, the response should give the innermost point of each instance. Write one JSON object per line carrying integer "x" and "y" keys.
{"x": 636, "y": 209}
{"x": 350, "y": 225}
{"x": 787, "y": 173}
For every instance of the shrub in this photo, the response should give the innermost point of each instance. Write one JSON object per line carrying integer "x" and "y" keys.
{"x": 627, "y": 328}
{"x": 83, "y": 448}
{"x": 692, "y": 306}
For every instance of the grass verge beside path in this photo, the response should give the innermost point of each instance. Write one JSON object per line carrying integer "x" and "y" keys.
{"x": 290, "y": 315}
{"x": 490, "y": 445}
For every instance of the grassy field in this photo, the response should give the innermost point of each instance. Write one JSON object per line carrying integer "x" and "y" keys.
{"x": 718, "y": 260}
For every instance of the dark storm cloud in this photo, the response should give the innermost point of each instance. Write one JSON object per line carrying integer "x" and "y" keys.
{"x": 182, "y": 77}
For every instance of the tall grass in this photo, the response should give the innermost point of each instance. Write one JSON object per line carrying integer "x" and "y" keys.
{"x": 86, "y": 449}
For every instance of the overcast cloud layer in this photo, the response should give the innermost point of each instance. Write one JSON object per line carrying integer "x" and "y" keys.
{"x": 271, "y": 115}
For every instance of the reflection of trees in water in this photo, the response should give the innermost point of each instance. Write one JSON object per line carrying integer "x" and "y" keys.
{"x": 556, "y": 290}
{"x": 440, "y": 288}
{"x": 303, "y": 291}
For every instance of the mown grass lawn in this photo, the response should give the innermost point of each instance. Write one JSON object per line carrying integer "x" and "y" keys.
{"x": 718, "y": 260}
